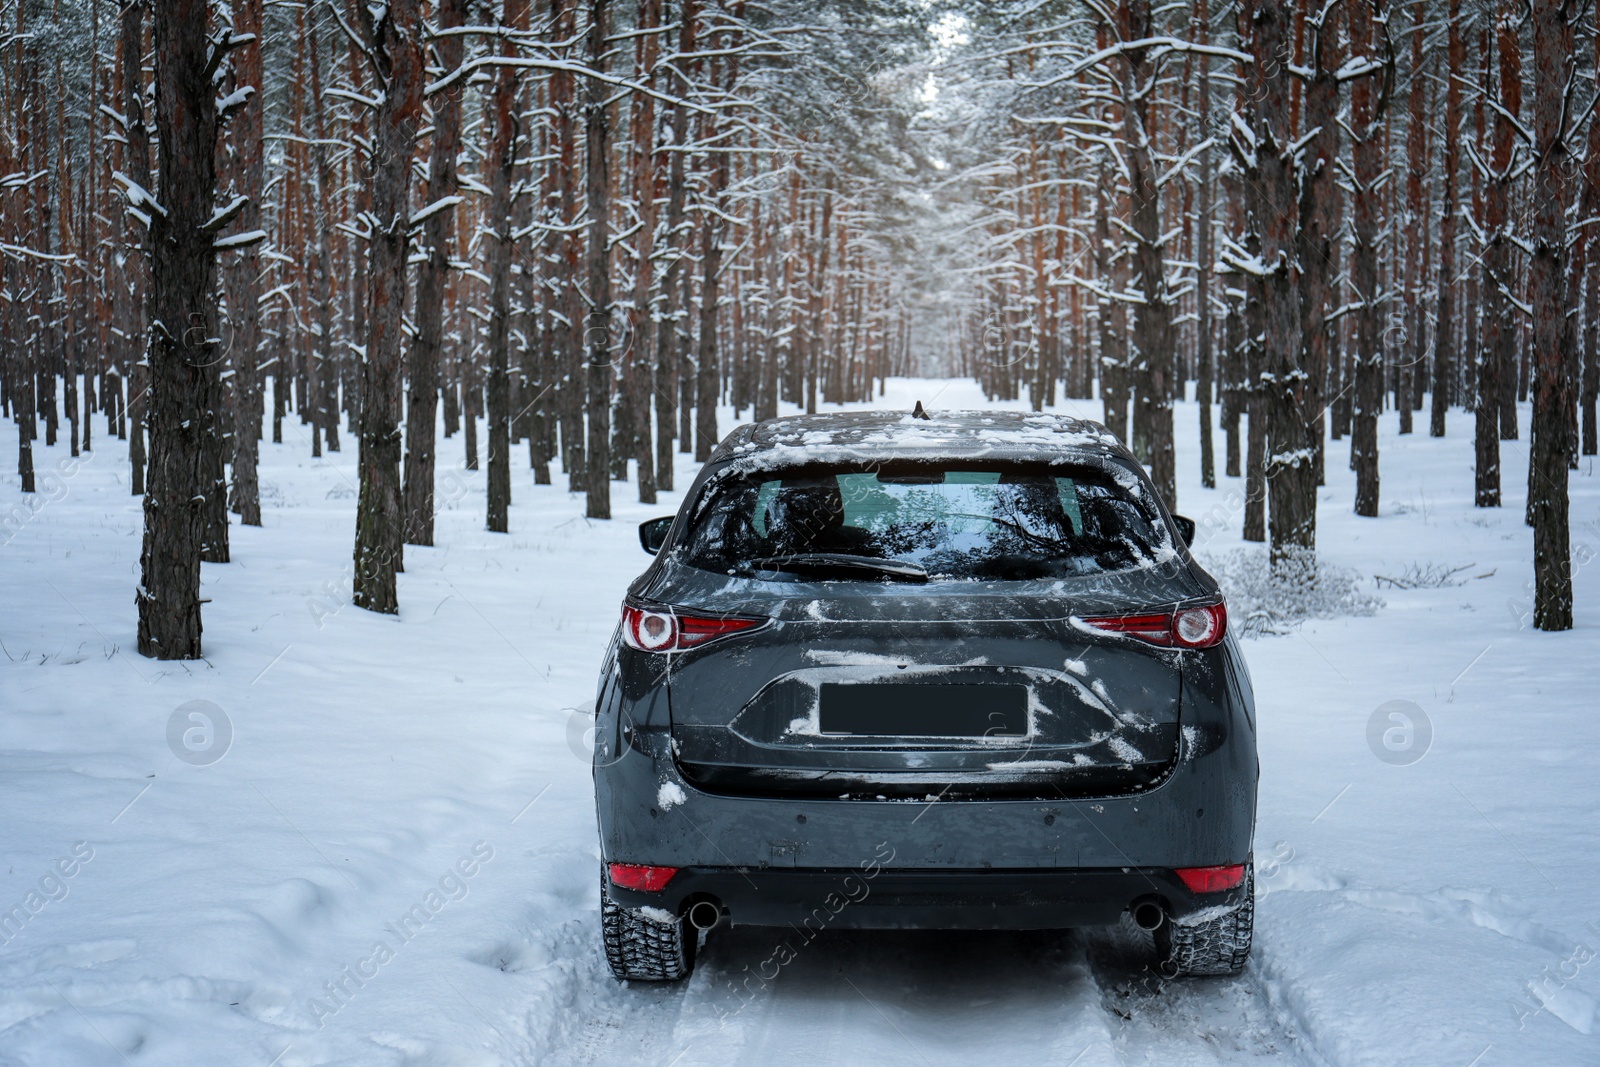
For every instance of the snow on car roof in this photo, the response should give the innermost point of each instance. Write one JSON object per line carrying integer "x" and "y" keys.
{"x": 852, "y": 436}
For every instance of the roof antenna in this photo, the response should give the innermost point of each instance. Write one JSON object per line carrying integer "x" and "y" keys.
{"x": 918, "y": 413}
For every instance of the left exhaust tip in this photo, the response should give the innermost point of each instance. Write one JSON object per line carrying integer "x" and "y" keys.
{"x": 704, "y": 914}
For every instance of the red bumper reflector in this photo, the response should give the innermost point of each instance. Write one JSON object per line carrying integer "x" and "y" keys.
{"x": 637, "y": 876}
{"x": 1211, "y": 879}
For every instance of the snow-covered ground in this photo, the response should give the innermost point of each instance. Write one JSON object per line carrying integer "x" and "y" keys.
{"x": 384, "y": 850}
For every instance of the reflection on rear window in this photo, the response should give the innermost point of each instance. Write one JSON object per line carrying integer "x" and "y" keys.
{"x": 1018, "y": 522}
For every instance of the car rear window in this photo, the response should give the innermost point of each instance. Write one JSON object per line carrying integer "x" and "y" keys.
{"x": 957, "y": 521}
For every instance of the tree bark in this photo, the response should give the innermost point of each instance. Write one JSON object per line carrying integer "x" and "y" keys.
{"x": 325, "y": 353}
{"x": 1232, "y": 343}
{"x": 1284, "y": 383}
{"x": 1255, "y": 445}
{"x": 642, "y": 326}
{"x": 1553, "y": 396}
{"x": 597, "y": 336}
{"x": 1365, "y": 114}
{"x": 1590, "y": 265}
{"x": 19, "y": 370}
{"x": 1411, "y": 353}
{"x": 708, "y": 370}
{"x": 1152, "y": 334}
{"x": 244, "y": 268}
{"x": 668, "y": 324}
{"x": 1446, "y": 333}
{"x": 1113, "y": 339}
{"x": 1321, "y": 220}
{"x": 1204, "y": 253}
{"x": 499, "y": 165}
{"x": 427, "y": 349}
{"x": 1499, "y": 332}
{"x": 394, "y": 41}
{"x": 136, "y": 158}
{"x": 183, "y": 353}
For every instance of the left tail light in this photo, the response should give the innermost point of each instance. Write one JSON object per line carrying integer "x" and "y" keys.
{"x": 640, "y": 876}
{"x": 673, "y": 630}
{"x": 1211, "y": 879}
{"x": 1197, "y": 626}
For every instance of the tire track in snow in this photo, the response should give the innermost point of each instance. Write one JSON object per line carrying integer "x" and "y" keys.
{"x": 1189, "y": 1020}
{"x": 919, "y": 998}
{"x": 1087, "y": 998}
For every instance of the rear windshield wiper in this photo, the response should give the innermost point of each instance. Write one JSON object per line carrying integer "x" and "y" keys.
{"x": 840, "y": 563}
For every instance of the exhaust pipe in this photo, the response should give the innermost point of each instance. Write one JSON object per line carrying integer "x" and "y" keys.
{"x": 704, "y": 914}
{"x": 1148, "y": 915}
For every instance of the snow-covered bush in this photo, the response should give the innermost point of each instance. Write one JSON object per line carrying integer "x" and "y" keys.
{"x": 1267, "y": 600}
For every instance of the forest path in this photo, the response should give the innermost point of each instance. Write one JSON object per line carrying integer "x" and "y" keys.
{"x": 1081, "y": 998}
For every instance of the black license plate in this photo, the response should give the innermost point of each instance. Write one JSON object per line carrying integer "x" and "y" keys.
{"x": 910, "y": 710}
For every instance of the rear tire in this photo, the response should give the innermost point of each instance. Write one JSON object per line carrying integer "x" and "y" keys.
{"x": 640, "y": 948}
{"x": 1218, "y": 945}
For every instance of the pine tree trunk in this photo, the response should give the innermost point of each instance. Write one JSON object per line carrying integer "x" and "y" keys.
{"x": 816, "y": 285}
{"x": 498, "y": 166}
{"x": 1321, "y": 220}
{"x": 1448, "y": 330}
{"x": 358, "y": 283}
{"x": 19, "y": 368}
{"x": 708, "y": 371}
{"x": 136, "y": 158}
{"x": 1204, "y": 253}
{"x": 1589, "y": 268}
{"x": 1113, "y": 342}
{"x": 1368, "y": 356}
{"x": 396, "y": 49}
{"x": 642, "y": 325}
{"x": 1152, "y": 329}
{"x": 467, "y": 372}
{"x": 668, "y": 323}
{"x": 1499, "y": 281}
{"x": 1415, "y": 224}
{"x": 1553, "y": 397}
{"x": 325, "y": 352}
{"x": 243, "y": 271}
{"x": 427, "y": 349}
{"x": 1585, "y": 275}
{"x": 182, "y": 355}
{"x": 1284, "y": 383}
{"x": 1255, "y": 448}
{"x": 598, "y": 335}
{"x": 1232, "y": 341}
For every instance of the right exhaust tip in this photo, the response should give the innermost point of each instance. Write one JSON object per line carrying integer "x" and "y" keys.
{"x": 1148, "y": 915}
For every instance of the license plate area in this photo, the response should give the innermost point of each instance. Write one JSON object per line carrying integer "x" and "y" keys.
{"x": 922, "y": 710}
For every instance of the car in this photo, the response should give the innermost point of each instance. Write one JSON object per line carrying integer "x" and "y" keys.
{"x": 952, "y": 670}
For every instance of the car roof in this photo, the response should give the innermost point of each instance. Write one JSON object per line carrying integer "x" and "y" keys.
{"x": 869, "y": 436}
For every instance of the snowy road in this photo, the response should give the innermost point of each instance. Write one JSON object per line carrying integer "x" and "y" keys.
{"x": 298, "y": 892}
{"x": 902, "y": 997}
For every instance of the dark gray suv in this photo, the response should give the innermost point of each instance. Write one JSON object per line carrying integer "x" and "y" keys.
{"x": 956, "y": 671}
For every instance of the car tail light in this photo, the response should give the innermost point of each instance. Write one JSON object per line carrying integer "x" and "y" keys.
{"x": 1157, "y": 629}
{"x": 670, "y": 630}
{"x": 1201, "y": 626}
{"x": 1211, "y": 879}
{"x": 640, "y": 877}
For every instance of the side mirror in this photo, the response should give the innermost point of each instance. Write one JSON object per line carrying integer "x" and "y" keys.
{"x": 653, "y": 534}
{"x": 1186, "y": 528}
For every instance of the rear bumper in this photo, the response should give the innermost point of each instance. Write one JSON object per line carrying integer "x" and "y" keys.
{"x": 871, "y": 896}
{"x": 1200, "y": 813}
